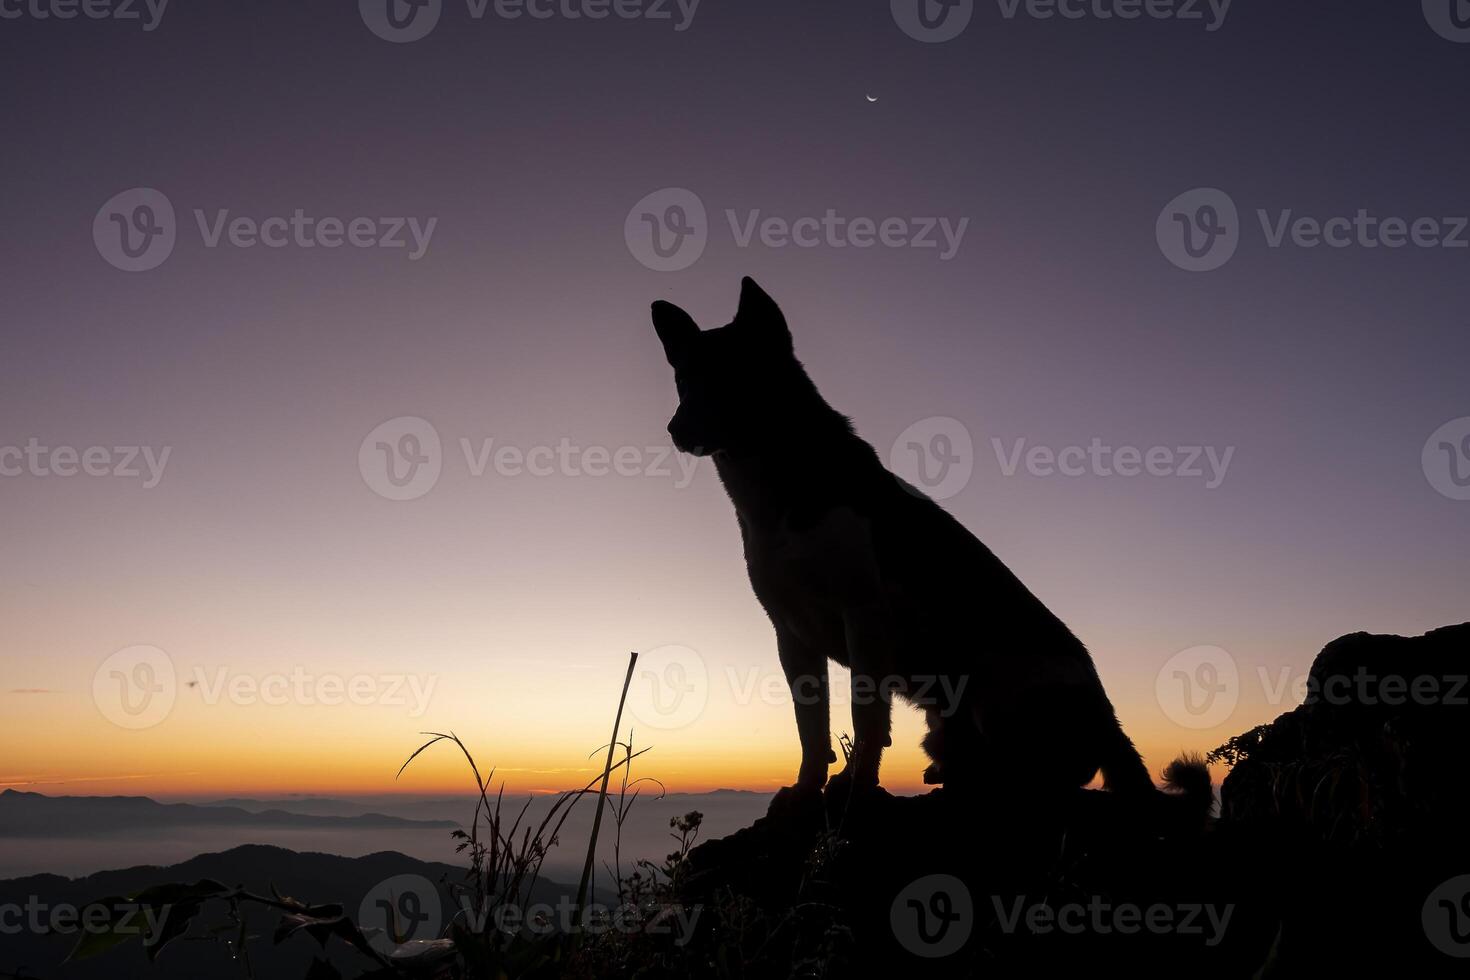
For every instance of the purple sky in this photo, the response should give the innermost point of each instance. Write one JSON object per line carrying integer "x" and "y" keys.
{"x": 1057, "y": 320}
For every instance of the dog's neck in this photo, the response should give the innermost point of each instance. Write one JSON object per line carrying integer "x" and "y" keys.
{"x": 808, "y": 468}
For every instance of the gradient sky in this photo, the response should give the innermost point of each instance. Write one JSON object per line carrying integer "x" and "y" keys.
{"x": 263, "y": 551}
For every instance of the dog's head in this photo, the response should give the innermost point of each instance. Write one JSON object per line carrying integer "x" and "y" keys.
{"x": 738, "y": 384}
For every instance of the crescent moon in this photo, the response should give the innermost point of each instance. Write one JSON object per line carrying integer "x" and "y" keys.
{"x": 872, "y": 98}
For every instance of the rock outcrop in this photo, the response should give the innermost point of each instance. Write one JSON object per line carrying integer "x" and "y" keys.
{"x": 1342, "y": 823}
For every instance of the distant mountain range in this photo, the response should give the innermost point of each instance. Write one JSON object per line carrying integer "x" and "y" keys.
{"x": 37, "y": 815}
{"x": 38, "y": 950}
{"x": 79, "y": 835}
{"x": 314, "y": 805}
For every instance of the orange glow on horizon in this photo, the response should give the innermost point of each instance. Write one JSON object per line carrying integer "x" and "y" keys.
{"x": 441, "y": 771}
{"x": 743, "y": 738}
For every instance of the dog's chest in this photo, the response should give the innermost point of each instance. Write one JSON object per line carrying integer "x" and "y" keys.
{"x": 808, "y": 572}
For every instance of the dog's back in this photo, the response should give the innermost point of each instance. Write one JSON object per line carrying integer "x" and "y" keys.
{"x": 855, "y": 565}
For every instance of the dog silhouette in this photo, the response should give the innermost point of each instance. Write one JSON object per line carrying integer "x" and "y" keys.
{"x": 854, "y": 565}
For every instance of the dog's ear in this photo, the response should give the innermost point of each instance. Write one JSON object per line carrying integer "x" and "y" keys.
{"x": 676, "y": 329}
{"x": 759, "y": 312}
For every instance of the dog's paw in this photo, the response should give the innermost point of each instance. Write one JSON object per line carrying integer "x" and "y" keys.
{"x": 795, "y": 803}
{"x": 800, "y": 790}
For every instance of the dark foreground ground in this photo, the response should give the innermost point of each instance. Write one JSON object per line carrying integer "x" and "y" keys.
{"x": 1341, "y": 846}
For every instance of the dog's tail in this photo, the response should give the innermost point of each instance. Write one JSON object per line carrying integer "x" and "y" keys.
{"x": 1187, "y": 779}
{"x": 1187, "y": 797}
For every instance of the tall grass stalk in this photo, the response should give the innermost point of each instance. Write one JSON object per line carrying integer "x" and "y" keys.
{"x": 602, "y": 793}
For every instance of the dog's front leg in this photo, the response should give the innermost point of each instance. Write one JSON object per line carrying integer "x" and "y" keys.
{"x": 871, "y": 658}
{"x": 806, "y": 676}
